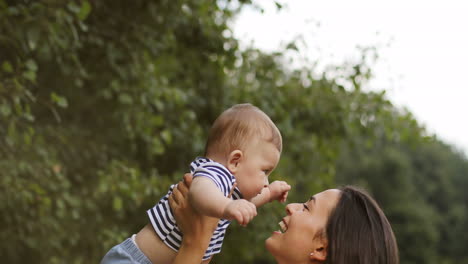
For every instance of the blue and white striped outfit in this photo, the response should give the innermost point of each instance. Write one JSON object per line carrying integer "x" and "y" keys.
{"x": 163, "y": 221}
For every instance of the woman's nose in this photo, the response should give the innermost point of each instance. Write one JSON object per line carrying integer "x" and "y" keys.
{"x": 292, "y": 207}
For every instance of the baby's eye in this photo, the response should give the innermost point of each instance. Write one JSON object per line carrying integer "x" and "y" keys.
{"x": 266, "y": 171}
{"x": 306, "y": 207}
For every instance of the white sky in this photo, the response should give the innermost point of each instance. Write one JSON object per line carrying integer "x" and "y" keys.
{"x": 423, "y": 49}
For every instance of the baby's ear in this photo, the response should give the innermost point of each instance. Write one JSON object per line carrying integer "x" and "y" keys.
{"x": 235, "y": 157}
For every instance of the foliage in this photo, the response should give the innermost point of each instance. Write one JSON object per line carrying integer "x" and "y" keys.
{"x": 416, "y": 180}
{"x": 103, "y": 104}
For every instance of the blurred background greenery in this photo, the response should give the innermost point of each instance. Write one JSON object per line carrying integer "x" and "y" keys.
{"x": 103, "y": 104}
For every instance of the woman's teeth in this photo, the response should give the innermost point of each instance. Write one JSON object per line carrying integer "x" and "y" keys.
{"x": 283, "y": 227}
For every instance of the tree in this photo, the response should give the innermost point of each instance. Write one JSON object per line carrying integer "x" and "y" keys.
{"x": 103, "y": 104}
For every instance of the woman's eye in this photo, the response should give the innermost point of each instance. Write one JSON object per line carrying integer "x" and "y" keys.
{"x": 306, "y": 207}
{"x": 266, "y": 171}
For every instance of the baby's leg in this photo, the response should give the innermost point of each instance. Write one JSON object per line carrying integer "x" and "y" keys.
{"x": 152, "y": 246}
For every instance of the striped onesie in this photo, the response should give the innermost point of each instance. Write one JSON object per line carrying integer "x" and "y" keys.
{"x": 163, "y": 221}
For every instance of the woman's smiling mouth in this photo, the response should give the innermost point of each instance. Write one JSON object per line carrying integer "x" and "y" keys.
{"x": 283, "y": 226}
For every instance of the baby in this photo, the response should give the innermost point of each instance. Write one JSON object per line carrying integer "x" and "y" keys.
{"x": 229, "y": 183}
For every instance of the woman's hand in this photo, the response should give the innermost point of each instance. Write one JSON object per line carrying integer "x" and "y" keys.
{"x": 197, "y": 228}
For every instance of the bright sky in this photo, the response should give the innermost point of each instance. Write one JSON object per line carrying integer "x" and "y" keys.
{"x": 423, "y": 62}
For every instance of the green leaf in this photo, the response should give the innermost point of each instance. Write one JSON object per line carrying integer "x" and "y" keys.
{"x": 166, "y": 136}
{"x": 279, "y": 6}
{"x": 28, "y": 117}
{"x": 30, "y": 75}
{"x": 31, "y": 65}
{"x": 6, "y": 65}
{"x": 158, "y": 147}
{"x": 84, "y": 11}
{"x": 5, "y": 109}
{"x": 117, "y": 203}
{"x": 125, "y": 99}
{"x": 73, "y": 7}
{"x": 59, "y": 100}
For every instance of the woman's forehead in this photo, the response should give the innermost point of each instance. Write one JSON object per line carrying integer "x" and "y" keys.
{"x": 327, "y": 198}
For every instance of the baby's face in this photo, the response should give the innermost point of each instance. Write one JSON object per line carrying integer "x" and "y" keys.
{"x": 260, "y": 159}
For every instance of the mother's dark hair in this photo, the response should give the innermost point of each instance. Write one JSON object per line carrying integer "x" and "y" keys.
{"x": 358, "y": 231}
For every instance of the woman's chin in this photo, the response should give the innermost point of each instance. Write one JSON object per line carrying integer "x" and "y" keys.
{"x": 270, "y": 242}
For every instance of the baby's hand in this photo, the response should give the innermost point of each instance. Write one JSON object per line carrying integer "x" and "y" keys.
{"x": 241, "y": 210}
{"x": 279, "y": 191}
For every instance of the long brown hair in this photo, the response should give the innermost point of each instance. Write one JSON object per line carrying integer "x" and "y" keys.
{"x": 358, "y": 231}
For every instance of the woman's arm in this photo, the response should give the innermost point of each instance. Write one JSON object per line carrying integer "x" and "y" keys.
{"x": 197, "y": 228}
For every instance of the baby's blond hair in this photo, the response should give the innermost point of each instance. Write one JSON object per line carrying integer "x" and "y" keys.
{"x": 237, "y": 126}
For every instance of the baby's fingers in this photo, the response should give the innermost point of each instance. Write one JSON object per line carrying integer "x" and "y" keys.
{"x": 239, "y": 218}
{"x": 284, "y": 186}
{"x": 284, "y": 197}
{"x": 250, "y": 213}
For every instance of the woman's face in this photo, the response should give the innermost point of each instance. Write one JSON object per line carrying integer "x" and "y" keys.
{"x": 295, "y": 240}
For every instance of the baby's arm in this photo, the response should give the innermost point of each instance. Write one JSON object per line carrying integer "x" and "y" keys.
{"x": 207, "y": 199}
{"x": 277, "y": 190}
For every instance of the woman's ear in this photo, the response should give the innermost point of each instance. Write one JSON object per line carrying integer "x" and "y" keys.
{"x": 234, "y": 158}
{"x": 319, "y": 253}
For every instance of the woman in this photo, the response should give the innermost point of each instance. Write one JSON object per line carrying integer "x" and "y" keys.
{"x": 336, "y": 226}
